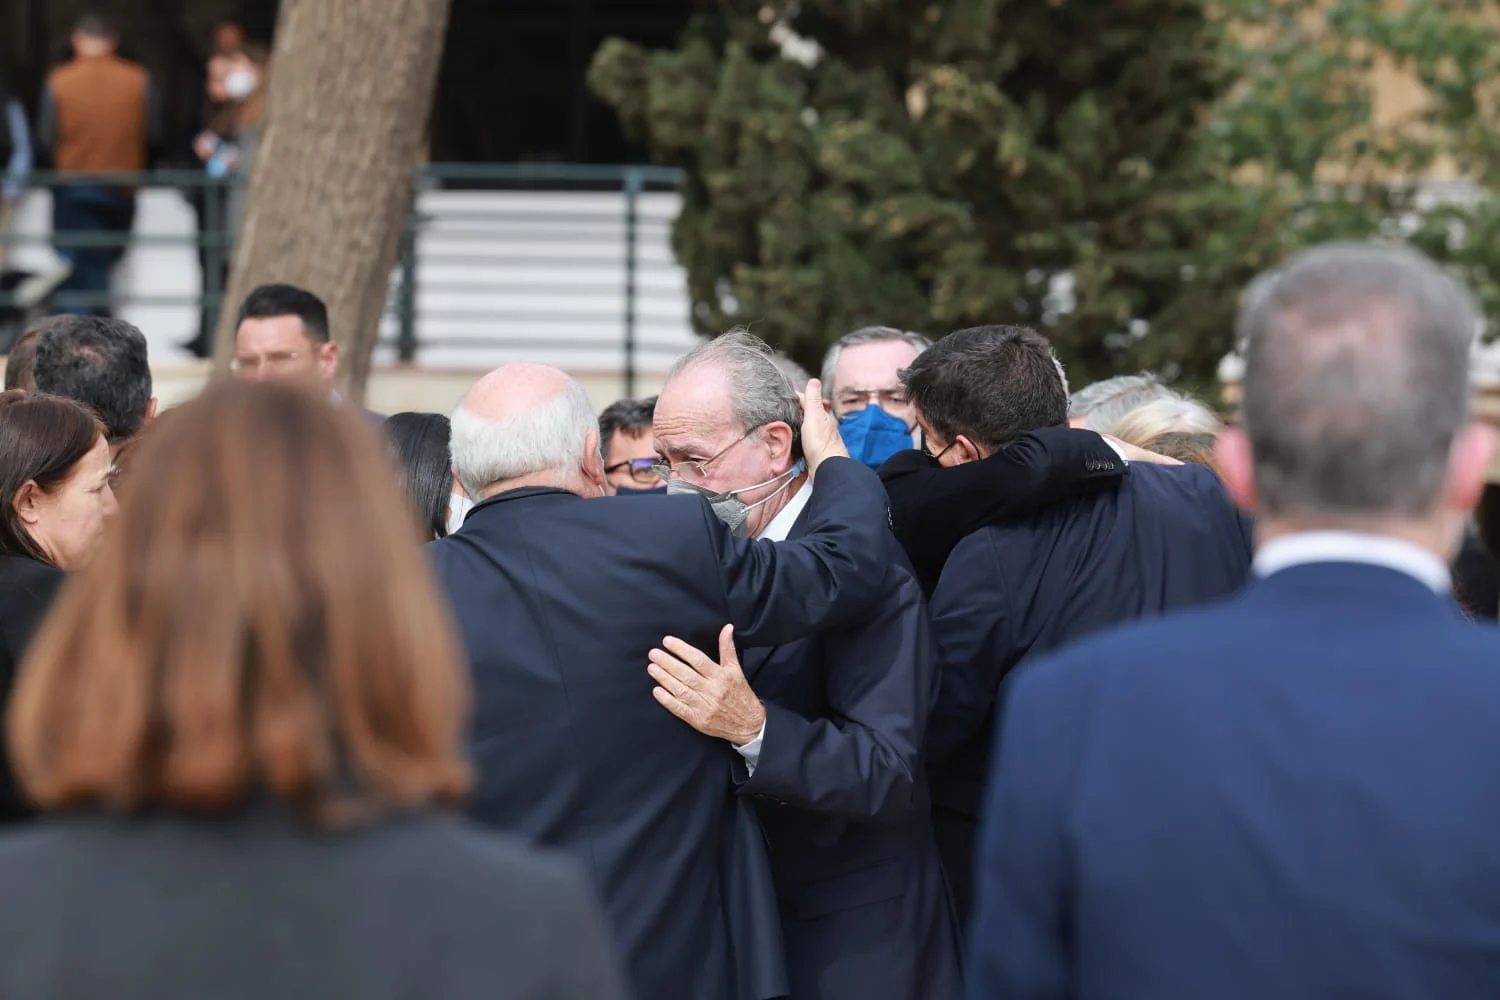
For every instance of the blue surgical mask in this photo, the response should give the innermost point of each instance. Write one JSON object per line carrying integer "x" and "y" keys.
{"x": 873, "y": 435}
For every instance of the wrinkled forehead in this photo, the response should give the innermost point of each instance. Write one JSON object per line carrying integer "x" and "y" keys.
{"x": 872, "y": 366}
{"x": 695, "y": 408}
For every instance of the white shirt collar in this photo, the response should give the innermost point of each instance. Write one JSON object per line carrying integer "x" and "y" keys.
{"x": 1356, "y": 547}
{"x": 781, "y": 525}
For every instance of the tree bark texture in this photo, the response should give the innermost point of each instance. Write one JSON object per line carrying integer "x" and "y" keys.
{"x": 350, "y": 89}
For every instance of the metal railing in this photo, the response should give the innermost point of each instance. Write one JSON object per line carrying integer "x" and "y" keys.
{"x": 562, "y": 261}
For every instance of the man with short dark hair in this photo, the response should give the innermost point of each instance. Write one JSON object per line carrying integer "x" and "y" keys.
{"x": 629, "y": 452}
{"x": 101, "y": 363}
{"x": 283, "y": 335}
{"x": 1290, "y": 794}
{"x": 1168, "y": 537}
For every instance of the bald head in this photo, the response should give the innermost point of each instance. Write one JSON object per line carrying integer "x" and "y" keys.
{"x": 512, "y": 390}
{"x": 526, "y": 425}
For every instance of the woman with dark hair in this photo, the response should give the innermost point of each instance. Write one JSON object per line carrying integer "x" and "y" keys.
{"x": 54, "y": 476}
{"x": 252, "y": 708}
{"x": 420, "y": 441}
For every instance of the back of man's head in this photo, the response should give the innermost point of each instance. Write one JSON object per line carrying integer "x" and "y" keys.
{"x": 1101, "y": 404}
{"x": 525, "y": 424}
{"x": 271, "y": 301}
{"x": 1356, "y": 383}
{"x": 101, "y": 363}
{"x": 989, "y": 384}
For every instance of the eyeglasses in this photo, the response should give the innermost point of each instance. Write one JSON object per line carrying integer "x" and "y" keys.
{"x": 274, "y": 361}
{"x": 695, "y": 470}
{"x": 885, "y": 398}
{"x": 642, "y": 470}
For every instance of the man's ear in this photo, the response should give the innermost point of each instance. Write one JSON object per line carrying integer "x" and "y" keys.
{"x": 27, "y": 502}
{"x": 328, "y": 359}
{"x": 1236, "y": 462}
{"x": 778, "y": 437}
{"x": 592, "y": 465}
{"x": 964, "y": 450}
{"x": 1469, "y": 466}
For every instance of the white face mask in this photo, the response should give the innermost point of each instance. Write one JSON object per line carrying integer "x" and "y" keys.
{"x": 240, "y": 84}
{"x": 458, "y": 509}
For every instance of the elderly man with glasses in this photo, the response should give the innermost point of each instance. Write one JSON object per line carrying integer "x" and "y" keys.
{"x": 828, "y": 731}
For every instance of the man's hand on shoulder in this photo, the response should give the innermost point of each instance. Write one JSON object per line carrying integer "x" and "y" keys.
{"x": 1131, "y": 453}
{"x": 711, "y": 696}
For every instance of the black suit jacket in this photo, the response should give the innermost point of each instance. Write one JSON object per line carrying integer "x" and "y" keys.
{"x": 559, "y": 600}
{"x": 1168, "y": 538}
{"x": 840, "y": 789}
{"x": 934, "y": 508}
{"x": 27, "y": 588}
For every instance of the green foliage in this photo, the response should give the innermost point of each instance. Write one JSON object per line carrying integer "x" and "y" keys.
{"x": 1110, "y": 171}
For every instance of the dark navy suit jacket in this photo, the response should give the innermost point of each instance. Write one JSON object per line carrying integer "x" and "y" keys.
{"x": 558, "y": 600}
{"x": 1293, "y": 794}
{"x": 1167, "y": 538}
{"x": 841, "y": 791}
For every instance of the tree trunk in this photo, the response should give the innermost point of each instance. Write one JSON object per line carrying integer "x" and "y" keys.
{"x": 351, "y": 85}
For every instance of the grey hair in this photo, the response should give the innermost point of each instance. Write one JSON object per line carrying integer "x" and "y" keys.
{"x": 866, "y": 335}
{"x": 1356, "y": 382}
{"x": 794, "y": 372}
{"x": 551, "y": 437}
{"x": 760, "y": 392}
{"x": 1104, "y": 403}
{"x": 1145, "y": 424}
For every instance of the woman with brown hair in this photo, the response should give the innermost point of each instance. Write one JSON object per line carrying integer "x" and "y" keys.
{"x": 54, "y": 476}
{"x": 250, "y": 709}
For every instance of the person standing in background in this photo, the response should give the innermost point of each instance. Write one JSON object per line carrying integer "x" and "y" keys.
{"x": 861, "y": 378}
{"x": 216, "y": 127}
{"x": 99, "y": 114}
{"x": 15, "y": 153}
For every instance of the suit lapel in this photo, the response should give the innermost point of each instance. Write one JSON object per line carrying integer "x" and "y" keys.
{"x": 753, "y": 660}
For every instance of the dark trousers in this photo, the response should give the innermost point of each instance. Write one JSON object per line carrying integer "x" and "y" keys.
{"x": 96, "y": 212}
{"x": 210, "y": 205}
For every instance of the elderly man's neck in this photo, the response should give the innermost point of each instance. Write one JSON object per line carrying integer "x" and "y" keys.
{"x": 542, "y": 480}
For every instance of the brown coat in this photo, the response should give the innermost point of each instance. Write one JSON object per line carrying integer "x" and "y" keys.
{"x": 102, "y": 115}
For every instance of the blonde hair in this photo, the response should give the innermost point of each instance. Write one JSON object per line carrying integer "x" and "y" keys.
{"x": 1146, "y": 423}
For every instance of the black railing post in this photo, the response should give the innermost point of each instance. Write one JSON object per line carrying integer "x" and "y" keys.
{"x": 632, "y": 196}
{"x": 214, "y": 238}
{"x": 406, "y": 302}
